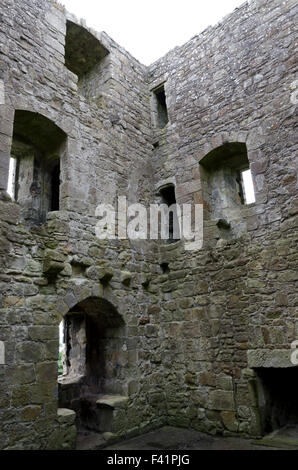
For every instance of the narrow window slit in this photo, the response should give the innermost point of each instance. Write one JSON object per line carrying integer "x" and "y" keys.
{"x": 161, "y": 107}
{"x": 55, "y": 184}
{"x": 248, "y": 187}
{"x": 168, "y": 197}
{"x": 165, "y": 268}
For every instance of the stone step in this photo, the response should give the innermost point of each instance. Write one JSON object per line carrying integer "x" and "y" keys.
{"x": 99, "y": 413}
{"x": 113, "y": 401}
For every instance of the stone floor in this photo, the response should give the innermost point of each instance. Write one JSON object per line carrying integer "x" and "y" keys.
{"x": 170, "y": 438}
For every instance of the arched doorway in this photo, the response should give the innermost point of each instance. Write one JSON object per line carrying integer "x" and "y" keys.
{"x": 95, "y": 359}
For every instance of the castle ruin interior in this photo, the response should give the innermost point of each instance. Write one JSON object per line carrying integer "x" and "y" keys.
{"x": 153, "y": 334}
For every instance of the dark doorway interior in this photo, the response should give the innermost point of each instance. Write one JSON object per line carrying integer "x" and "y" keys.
{"x": 277, "y": 397}
{"x": 168, "y": 197}
{"x": 55, "y": 183}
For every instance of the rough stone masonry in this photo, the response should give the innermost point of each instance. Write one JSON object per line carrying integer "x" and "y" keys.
{"x": 153, "y": 334}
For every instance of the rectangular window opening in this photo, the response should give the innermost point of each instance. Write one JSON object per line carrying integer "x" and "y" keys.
{"x": 11, "y": 178}
{"x": 168, "y": 197}
{"x": 247, "y": 187}
{"x": 61, "y": 347}
{"x": 162, "y": 110}
{"x": 55, "y": 187}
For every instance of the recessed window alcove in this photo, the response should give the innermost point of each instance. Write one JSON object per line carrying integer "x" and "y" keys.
{"x": 88, "y": 58}
{"x": 95, "y": 363}
{"x": 37, "y": 153}
{"x": 227, "y": 186}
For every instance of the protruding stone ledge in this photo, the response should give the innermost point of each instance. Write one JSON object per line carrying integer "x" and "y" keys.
{"x": 65, "y": 380}
{"x": 221, "y": 400}
{"x": 66, "y": 416}
{"x": 114, "y": 401}
{"x": 100, "y": 273}
{"x": 269, "y": 358}
{"x": 53, "y": 262}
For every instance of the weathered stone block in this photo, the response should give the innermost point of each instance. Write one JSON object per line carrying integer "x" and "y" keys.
{"x": 225, "y": 382}
{"x": 100, "y": 273}
{"x": 207, "y": 379}
{"x": 41, "y": 333}
{"x": 21, "y": 374}
{"x": 269, "y": 358}
{"x": 229, "y": 420}
{"x": 53, "y": 262}
{"x": 66, "y": 416}
{"x": 21, "y": 396}
{"x": 29, "y": 351}
{"x": 221, "y": 400}
{"x": 46, "y": 371}
{"x": 9, "y": 212}
{"x": 31, "y": 413}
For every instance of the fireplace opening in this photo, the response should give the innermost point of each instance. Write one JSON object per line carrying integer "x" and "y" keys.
{"x": 277, "y": 398}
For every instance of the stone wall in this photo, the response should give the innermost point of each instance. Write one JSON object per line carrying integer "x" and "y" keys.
{"x": 48, "y": 270}
{"x": 230, "y": 84}
{"x": 225, "y": 303}
{"x": 189, "y": 332}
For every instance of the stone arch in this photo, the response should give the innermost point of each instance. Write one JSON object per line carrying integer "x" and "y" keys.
{"x": 24, "y": 104}
{"x": 74, "y": 294}
{"x": 253, "y": 140}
